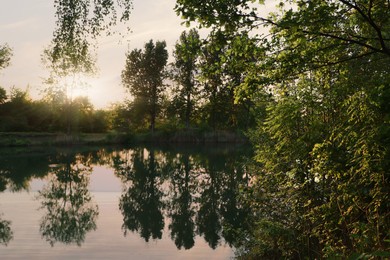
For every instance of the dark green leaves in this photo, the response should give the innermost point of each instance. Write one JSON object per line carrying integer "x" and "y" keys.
{"x": 144, "y": 74}
{"x": 321, "y": 141}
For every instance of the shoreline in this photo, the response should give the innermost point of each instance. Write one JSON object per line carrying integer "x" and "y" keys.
{"x": 26, "y": 139}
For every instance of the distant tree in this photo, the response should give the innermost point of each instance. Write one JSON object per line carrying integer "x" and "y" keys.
{"x": 3, "y": 95}
{"x": 186, "y": 53}
{"x": 143, "y": 76}
{"x": 15, "y": 112}
{"x": 5, "y": 56}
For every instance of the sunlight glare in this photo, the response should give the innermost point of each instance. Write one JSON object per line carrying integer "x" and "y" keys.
{"x": 76, "y": 86}
{"x": 98, "y": 90}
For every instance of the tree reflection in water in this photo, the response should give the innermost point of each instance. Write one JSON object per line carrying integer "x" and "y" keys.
{"x": 235, "y": 213}
{"x": 181, "y": 207}
{"x": 70, "y": 211}
{"x": 6, "y": 234}
{"x": 198, "y": 192}
{"x": 208, "y": 218}
{"x": 141, "y": 203}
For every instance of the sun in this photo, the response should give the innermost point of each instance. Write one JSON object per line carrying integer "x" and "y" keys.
{"x": 76, "y": 86}
{"x": 102, "y": 92}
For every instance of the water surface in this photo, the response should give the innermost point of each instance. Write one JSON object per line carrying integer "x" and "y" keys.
{"x": 121, "y": 203}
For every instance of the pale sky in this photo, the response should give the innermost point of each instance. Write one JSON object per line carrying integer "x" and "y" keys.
{"x": 27, "y": 27}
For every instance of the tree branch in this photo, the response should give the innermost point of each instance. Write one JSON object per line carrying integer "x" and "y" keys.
{"x": 368, "y": 18}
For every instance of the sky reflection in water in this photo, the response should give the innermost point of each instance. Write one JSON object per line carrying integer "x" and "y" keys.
{"x": 121, "y": 203}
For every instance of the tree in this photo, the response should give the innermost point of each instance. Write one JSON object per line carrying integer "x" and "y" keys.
{"x": 71, "y": 52}
{"x": 79, "y": 22}
{"x": 186, "y": 53}
{"x": 3, "y": 95}
{"x": 225, "y": 64}
{"x": 5, "y": 56}
{"x": 311, "y": 26}
{"x": 144, "y": 75}
{"x": 321, "y": 144}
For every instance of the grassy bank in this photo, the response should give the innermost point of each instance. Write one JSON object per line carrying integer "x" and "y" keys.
{"x": 183, "y": 136}
{"x": 53, "y": 139}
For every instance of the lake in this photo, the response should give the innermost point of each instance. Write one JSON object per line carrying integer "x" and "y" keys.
{"x": 138, "y": 202}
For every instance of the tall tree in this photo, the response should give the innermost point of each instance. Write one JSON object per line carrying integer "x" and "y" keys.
{"x": 322, "y": 142}
{"x": 186, "y": 53}
{"x": 144, "y": 75}
{"x": 71, "y": 52}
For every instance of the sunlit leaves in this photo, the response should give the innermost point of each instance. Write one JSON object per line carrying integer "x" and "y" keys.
{"x": 229, "y": 15}
{"x": 322, "y": 138}
{"x": 78, "y": 23}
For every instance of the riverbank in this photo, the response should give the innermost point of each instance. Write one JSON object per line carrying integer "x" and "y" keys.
{"x": 11, "y": 139}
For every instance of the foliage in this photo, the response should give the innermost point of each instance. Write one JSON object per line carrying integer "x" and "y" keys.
{"x": 3, "y": 95}
{"x": 70, "y": 211}
{"x": 70, "y": 54}
{"x": 50, "y": 114}
{"x": 143, "y": 76}
{"x": 186, "y": 54}
{"x": 77, "y": 23}
{"x": 322, "y": 142}
{"x": 5, "y": 56}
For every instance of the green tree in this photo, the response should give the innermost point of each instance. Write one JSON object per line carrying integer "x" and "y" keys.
{"x": 225, "y": 63}
{"x": 144, "y": 74}
{"x": 186, "y": 54}
{"x": 214, "y": 110}
{"x": 310, "y": 25}
{"x": 15, "y": 113}
{"x": 71, "y": 52}
{"x": 322, "y": 142}
{"x": 77, "y": 24}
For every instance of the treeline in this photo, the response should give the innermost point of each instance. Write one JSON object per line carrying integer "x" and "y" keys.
{"x": 312, "y": 83}
{"x": 191, "y": 92}
{"x": 19, "y": 113}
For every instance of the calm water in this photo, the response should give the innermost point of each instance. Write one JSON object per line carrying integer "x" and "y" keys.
{"x": 121, "y": 203}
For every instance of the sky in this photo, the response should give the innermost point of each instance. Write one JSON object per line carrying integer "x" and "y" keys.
{"x": 27, "y": 27}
